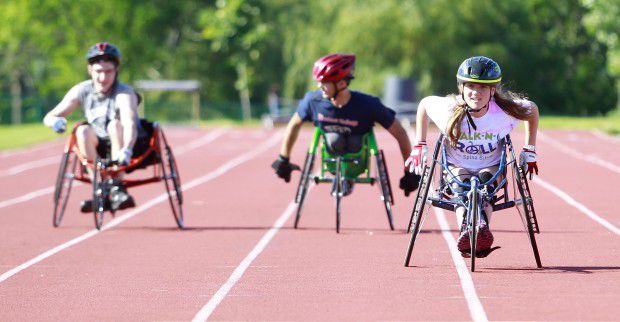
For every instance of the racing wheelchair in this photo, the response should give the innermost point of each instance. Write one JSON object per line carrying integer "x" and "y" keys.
{"x": 153, "y": 151}
{"x": 336, "y": 169}
{"x": 435, "y": 190}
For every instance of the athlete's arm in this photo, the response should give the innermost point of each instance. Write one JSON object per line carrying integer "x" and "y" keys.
{"x": 68, "y": 104}
{"x": 399, "y": 133}
{"x": 531, "y": 125}
{"x": 290, "y": 135}
{"x": 422, "y": 122}
{"x": 128, "y": 110}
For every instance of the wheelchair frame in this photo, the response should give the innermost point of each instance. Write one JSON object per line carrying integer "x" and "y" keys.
{"x": 477, "y": 196}
{"x": 345, "y": 167}
{"x": 73, "y": 166}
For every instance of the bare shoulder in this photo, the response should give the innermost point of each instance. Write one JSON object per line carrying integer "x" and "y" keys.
{"x": 438, "y": 102}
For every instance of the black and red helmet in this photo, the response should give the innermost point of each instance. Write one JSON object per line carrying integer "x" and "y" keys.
{"x": 333, "y": 67}
{"x": 103, "y": 50}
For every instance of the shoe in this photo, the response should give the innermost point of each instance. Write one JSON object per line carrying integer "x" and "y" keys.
{"x": 120, "y": 199}
{"x": 86, "y": 206}
{"x": 462, "y": 243}
{"x": 347, "y": 187}
{"x": 485, "y": 238}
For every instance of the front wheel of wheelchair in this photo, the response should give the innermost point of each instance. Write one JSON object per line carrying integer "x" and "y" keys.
{"x": 386, "y": 189}
{"x": 304, "y": 183}
{"x": 472, "y": 226}
{"x": 338, "y": 184}
{"x": 530, "y": 217}
{"x": 64, "y": 181}
{"x": 172, "y": 181}
{"x": 100, "y": 194}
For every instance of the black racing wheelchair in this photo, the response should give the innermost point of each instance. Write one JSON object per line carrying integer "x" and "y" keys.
{"x": 153, "y": 152}
{"x": 336, "y": 169}
{"x": 435, "y": 190}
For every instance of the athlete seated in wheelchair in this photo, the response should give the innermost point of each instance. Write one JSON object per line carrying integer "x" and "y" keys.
{"x": 111, "y": 142}
{"x": 344, "y": 118}
{"x": 475, "y": 126}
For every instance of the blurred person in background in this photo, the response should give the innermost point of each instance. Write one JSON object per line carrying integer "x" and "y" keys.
{"x": 110, "y": 109}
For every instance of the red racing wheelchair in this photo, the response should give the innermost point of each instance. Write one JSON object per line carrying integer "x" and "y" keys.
{"x": 154, "y": 152}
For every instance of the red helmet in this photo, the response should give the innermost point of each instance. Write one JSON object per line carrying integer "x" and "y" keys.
{"x": 333, "y": 67}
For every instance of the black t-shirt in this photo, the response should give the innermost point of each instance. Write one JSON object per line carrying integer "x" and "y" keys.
{"x": 357, "y": 117}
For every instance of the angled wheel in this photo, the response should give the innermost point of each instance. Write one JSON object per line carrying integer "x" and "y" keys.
{"x": 172, "y": 181}
{"x": 100, "y": 194}
{"x": 304, "y": 183}
{"x": 386, "y": 188}
{"x": 418, "y": 210}
{"x": 527, "y": 207}
{"x": 64, "y": 181}
{"x": 338, "y": 182}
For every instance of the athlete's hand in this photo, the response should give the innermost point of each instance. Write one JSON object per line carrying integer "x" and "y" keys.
{"x": 58, "y": 124}
{"x": 409, "y": 182}
{"x": 284, "y": 168}
{"x": 527, "y": 160}
{"x": 124, "y": 156}
{"x": 417, "y": 159}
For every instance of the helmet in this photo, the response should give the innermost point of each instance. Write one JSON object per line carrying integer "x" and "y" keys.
{"x": 333, "y": 67}
{"x": 479, "y": 69}
{"x": 103, "y": 49}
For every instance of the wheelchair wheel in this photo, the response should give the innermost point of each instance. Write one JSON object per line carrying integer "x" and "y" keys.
{"x": 302, "y": 188}
{"x": 527, "y": 207}
{"x": 100, "y": 194}
{"x": 386, "y": 188}
{"x": 64, "y": 181}
{"x": 418, "y": 210}
{"x": 338, "y": 182}
{"x": 172, "y": 181}
{"x": 473, "y": 210}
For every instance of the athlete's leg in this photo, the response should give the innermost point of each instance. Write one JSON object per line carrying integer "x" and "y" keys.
{"x": 87, "y": 142}
{"x": 485, "y": 175}
{"x": 119, "y": 197}
{"x": 115, "y": 131}
{"x": 336, "y": 143}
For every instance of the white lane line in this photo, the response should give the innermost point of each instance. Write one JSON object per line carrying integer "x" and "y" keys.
{"x": 183, "y": 149}
{"x": 602, "y": 135}
{"x": 218, "y": 297}
{"x": 580, "y": 155}
{"x": 476, "y": 310}
{"x": 198, "y": 181}
{"x": 29, "y": 166}
{"x": 571, "y": 201}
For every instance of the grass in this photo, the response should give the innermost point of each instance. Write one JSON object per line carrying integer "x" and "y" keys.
{"x": 20, "y": 136}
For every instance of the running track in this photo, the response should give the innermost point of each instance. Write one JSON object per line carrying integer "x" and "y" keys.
{"x": 240, "y": 259}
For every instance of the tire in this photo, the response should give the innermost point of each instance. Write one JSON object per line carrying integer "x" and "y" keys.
{"x": 302, "y": 188}
{"x": 338, "y": 181}
{"x": 386, "y": 190}
{"x": 418, "y": 211}
{"x": 472, "y": 225}
{"x": 100, "y": 194}
{"x": 172, "y": 181}
{"x": 64, "y": 181}
{"x": 529, "y": 216}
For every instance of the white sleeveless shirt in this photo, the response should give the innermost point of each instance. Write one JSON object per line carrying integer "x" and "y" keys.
{"x": 475, "y": 149}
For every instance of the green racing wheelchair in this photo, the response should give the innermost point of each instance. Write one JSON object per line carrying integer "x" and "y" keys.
{"x": 339, "y": 169}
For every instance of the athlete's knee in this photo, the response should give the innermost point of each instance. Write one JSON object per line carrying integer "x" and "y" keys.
{"x": 355, "y": 143}
{"x": 485, "y": 177}
{"x": 336, "y": 143}
{"x": 84, "y": 133}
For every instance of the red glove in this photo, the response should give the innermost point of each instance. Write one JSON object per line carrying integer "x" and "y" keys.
{"x": 417, "y": 159}
{"x": 527, "y": 160}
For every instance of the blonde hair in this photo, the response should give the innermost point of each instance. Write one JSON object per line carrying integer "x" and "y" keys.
{"x": 505, "y": 99}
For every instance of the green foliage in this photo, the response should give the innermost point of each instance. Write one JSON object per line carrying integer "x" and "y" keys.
{"x": 564, "y": 54}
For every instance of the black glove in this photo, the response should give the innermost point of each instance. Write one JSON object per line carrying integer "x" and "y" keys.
{"x": 284, "y": 168}
{"x": 409, "y": 182}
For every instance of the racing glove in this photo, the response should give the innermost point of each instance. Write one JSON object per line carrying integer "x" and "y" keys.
{"x": 124, "y": 156}
{"x": 58, "y": 124}
{"x": 527, "y": 160}
{"x": 417, "y": 159}
{"x": 284, "y": 168}
{"x": 409, "y": 182}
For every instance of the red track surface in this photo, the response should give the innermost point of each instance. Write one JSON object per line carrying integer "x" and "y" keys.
{"x": 145, "y": 269}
